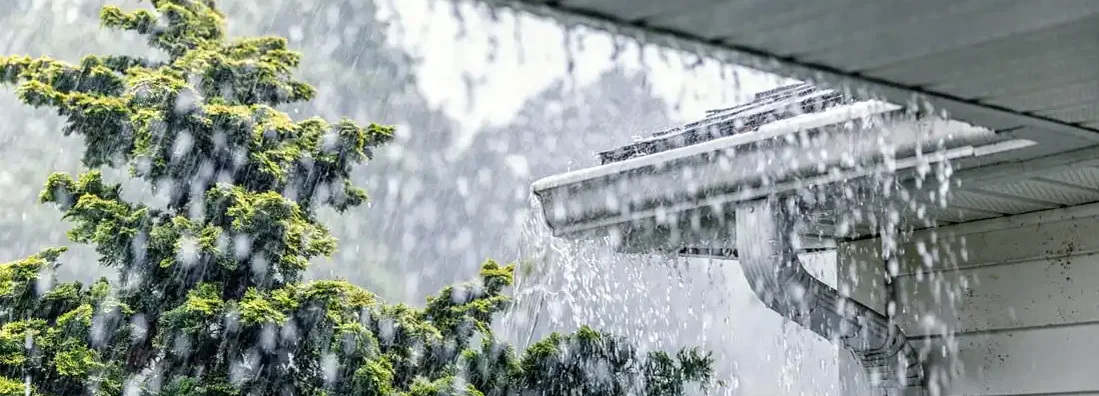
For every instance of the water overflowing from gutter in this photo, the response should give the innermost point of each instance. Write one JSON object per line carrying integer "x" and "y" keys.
{"x": 664, "y": 301}
{"x": 670, "y": 301}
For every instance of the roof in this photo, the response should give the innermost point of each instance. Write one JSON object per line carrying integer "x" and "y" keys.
{"x": 1026, "y": 69}
{"x": 768, "y": 106}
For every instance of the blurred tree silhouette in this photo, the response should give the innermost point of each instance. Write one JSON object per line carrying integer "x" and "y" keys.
{"x": 558, "y": 129}
{"x": 209, "y": 297}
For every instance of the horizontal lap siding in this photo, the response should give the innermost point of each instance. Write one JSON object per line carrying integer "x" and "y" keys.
{"x": 1022, "y": 304}
{"x": 1033, "y": 293}
{"x": 1050, "y": 361}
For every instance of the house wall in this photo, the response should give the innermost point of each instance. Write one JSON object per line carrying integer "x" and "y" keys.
{"x": 1002, "y": 306}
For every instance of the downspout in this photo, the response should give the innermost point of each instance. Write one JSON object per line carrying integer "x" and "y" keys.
{"x": 764, "y": 230}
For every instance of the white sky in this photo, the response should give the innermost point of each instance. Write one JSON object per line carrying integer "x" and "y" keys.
{"x": 530, "y": 53}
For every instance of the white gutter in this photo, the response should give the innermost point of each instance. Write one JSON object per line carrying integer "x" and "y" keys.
{"x": 780, "y": 128}
{"x": 750, "y": 178}
{"x": 815, "y": 148}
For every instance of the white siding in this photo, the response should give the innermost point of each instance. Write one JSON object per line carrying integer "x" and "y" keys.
{"x": 1002, "y": 307}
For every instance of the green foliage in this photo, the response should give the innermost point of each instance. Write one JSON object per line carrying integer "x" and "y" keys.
{"x": 209, "y": 298}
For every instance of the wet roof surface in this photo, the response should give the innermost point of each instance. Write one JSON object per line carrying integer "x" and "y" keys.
{"x": 768, "y": 106}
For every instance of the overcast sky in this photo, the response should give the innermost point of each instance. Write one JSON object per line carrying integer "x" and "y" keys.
{"x": 524, "y": 54}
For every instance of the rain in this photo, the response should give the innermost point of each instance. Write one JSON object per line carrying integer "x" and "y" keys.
{"x": 490, "y": 197}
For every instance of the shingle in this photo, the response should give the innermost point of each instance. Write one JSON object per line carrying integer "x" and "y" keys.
{"x": 767, "y": 106}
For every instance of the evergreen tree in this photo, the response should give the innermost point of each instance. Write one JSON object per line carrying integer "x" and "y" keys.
{"x": 209, "y": 297}
{"x": 357, "y": 73}
{"x": 63, "y": 29}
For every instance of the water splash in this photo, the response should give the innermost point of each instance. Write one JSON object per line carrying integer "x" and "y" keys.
{"x": 665, "y": 301}
{"x": 652, "y": 297}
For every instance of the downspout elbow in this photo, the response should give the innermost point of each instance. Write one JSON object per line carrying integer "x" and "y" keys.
{"x": 765, "y": 250}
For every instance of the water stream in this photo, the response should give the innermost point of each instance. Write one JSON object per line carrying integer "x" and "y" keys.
{"x": 666, "y": 302}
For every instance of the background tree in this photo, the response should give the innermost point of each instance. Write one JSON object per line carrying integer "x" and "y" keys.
{"x": 558, "y": 129}
{"x": 209, "y": 297}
